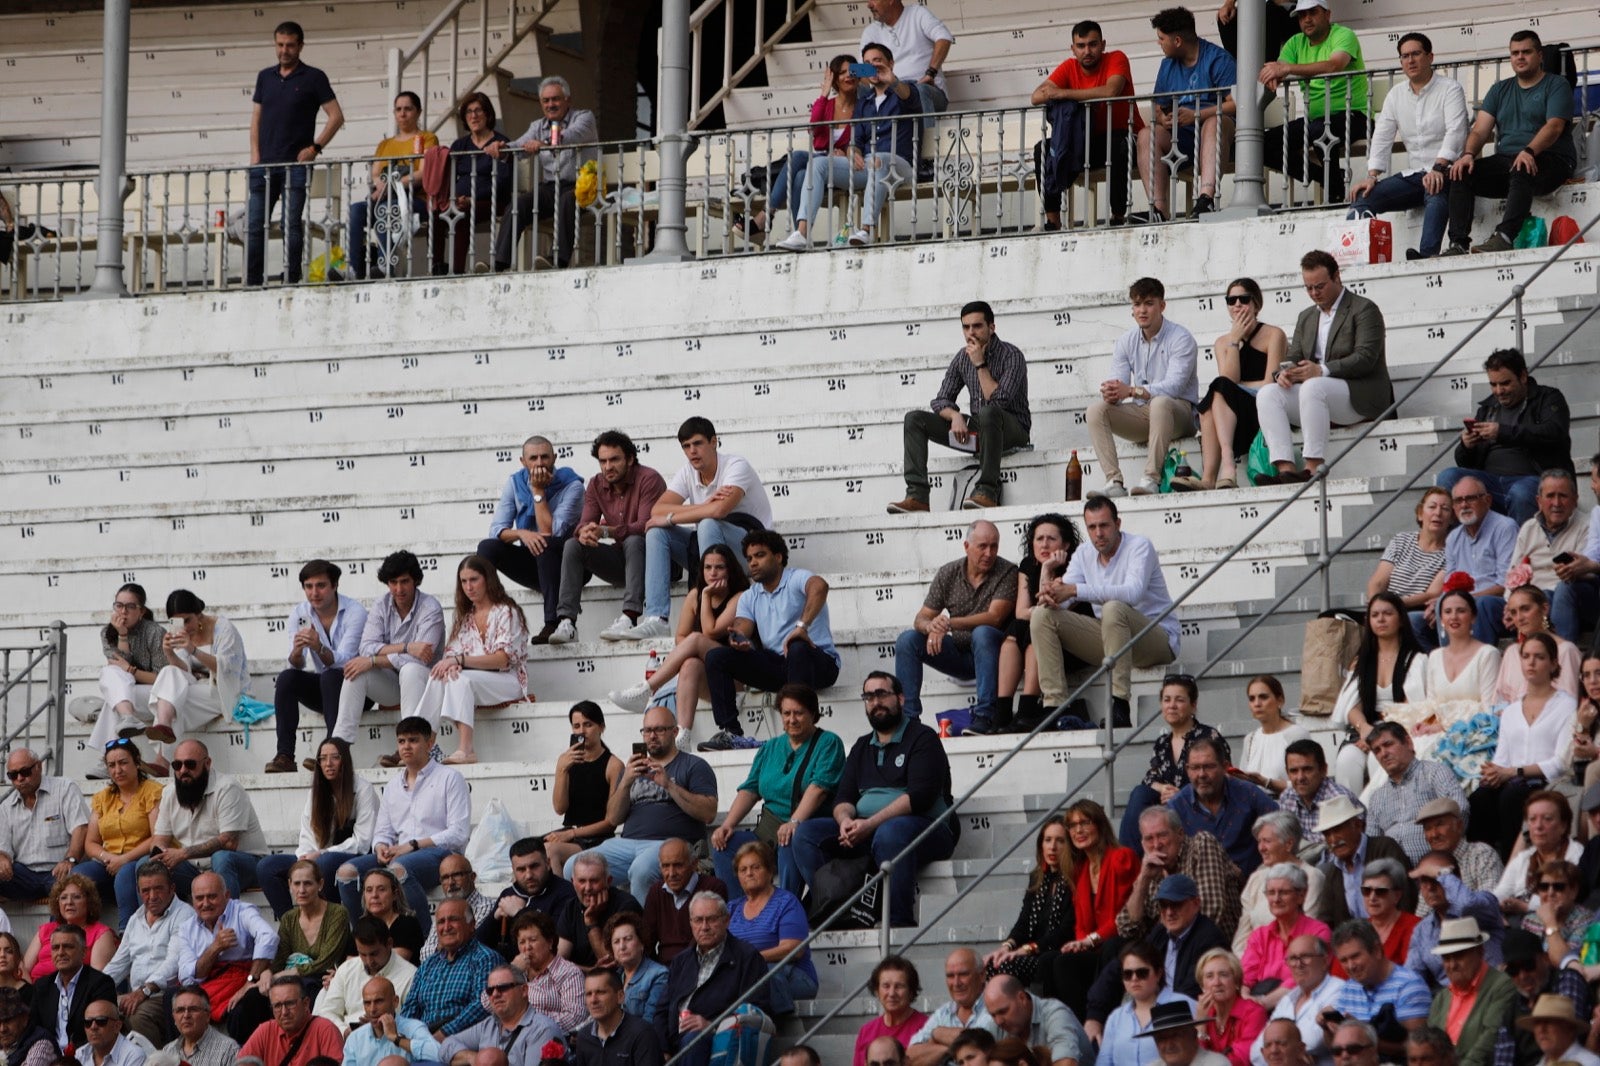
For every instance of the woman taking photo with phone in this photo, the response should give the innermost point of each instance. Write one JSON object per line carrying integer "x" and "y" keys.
{"x": 586, "y": 775}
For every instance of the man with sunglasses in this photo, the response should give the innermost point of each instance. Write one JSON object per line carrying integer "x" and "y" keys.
{"x": 106, "y": 1046}
{"x": 1528, "y": 966}
{"x": 43, "y": 823}
{"x": 513, "y": 1026}
{"x": 1447, "y": 898}
{"x": 1479, "y": 1000}
{"x": 1354, "y": 1043}
{"x": 206, "y": 820}
{"x": 294, "y": 1036}
{"x": 896, "y": 782}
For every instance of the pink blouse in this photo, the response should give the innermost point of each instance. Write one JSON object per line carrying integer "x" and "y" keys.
{"x": 505, "y": 633}
{"x": 43, "y": 967}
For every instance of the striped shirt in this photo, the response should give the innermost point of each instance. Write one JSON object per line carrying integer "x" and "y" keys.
{"x": 1414, "y": 568}
{"x": 1404, "y": 989}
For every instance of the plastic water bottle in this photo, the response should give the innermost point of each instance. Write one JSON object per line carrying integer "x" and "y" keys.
{"x": 651, "y": 664}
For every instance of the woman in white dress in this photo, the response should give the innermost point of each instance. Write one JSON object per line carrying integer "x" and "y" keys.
{"x": 1389, "y": 669}
{"x": 1264, "y": 747}
{"x": 1460, "y": 679}
{"x": 206, "y": 673}
{"x": 131, "y": 644}
{"x": 1528, "y": 611}
{"x": 1534, "y": 750}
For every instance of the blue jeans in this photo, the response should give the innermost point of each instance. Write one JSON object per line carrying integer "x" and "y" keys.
{"x": 824, "y": 173}
{"x": 788, "y": 874}
{"x": 422, "y": 874}
{"x": 888, "y": 172}
{"x": 980, "y": 662}
{"x": 236, "y": 868}
{"x": 267, "y": 185}
{"x": 273, "y": 874}
{"x": 1517, "y": 497}
{"x": 26, "y": 883}
{"x": 125, "y": 889}
{"x": 816, "y": 841}
{"x": 1139, "y": 800}
{"x": 666, "y": 545}
{"x": 787, "y": 182}
{"x": 636, "y": 863}
{"x": 359, "y": 250}
{"x": 1574, "y": 607}
{"x": 787, "y": 985}
{"x": 1399, "y": 192}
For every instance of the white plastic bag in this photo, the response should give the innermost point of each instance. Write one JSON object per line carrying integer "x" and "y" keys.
{"x": 489, "y": 849}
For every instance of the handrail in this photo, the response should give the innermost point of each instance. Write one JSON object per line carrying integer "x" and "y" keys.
{"x": 1112, "y": 749}
{"x": 794, "y": 12}
{"x": 51, "y": 653}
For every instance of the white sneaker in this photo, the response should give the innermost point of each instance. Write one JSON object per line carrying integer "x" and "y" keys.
{"x": 85, "y": 709}
{"x": 1145, "y": 487}
{"x": 794, "y": 242}
{"x": 617, "y": 630}
{"x": 649, "y": 628}
{"x": 860, "y": 239}
{"x": 565, "y": 632}
{"x": 634, "y": 698}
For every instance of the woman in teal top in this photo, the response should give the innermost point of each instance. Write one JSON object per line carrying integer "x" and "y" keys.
{"x": 793, "y": 776}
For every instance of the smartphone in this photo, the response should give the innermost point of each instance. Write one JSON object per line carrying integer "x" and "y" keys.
{"x": 1469, "y": 422}
{"x": 1564, "y": 558}
{"x": 738, "y": 638}
{"x": 574, "y": 739}
{"x": 638, "y": 747}
{"x": 864, "y": 70}
{"x": 175, "y": 627}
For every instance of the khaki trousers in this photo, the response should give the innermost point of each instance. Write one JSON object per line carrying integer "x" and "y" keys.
{"x": 1091, "y": 639}
{"x": 1159, "y": 422}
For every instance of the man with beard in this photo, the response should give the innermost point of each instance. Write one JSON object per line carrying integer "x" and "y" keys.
{"x": 896, "y": 782}
{"x": 664, "y": 793}
{"x": 206, "y": 821}
{"x": 533, "y": 884}
{"x": 225, "y": 948}
{"x": 1212, "y": 802}
{"x": 609, "y": 541}
{"x": 457, "y": 880}
{"x": 1093, "y": 73}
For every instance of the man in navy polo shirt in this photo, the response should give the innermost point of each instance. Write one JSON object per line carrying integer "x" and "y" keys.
{"x": 283, "y": 127}
{"x": 896, "y": 782}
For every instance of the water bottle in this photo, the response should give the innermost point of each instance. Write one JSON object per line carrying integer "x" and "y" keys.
{"x": 651, "y": 664}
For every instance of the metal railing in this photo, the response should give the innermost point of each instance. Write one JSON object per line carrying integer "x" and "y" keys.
{"x": 33, "y": 695}
{"x": 1105, "y": 773}
{"x": 795, "y": 12}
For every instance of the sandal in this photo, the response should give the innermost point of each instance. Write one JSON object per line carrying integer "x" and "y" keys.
{"x": 1227, "y": 483}
{"x": 162, "y": 734}
{"x": 748, "y": 228}
{"x": 456, "y": 758}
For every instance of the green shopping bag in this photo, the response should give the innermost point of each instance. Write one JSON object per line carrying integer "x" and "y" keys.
{"x": 1535, "y": 233}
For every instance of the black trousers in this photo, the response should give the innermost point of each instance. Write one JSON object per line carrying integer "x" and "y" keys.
{"x": 320, "y": 692}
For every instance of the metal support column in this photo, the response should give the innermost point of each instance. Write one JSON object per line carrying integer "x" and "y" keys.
{"x": 113, "y": 186}
{"x": 672, "y": 137}
{"x": 1249, "y": 178}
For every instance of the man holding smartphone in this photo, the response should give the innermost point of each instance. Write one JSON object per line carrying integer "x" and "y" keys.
{"x": 1576, "y": 604}
{"x": 327, "y": 630}
{"x": 1550, "y": 542}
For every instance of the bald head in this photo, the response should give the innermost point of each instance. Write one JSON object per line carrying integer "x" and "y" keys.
{"x": 677, "y": 864}
{"x": 885, "y": 1051}
{"x": 963, "y": 976}
{"x": 378, "y": 998}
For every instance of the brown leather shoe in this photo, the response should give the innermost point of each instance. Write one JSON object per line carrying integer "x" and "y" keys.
{"x": 978, "y": 502}
{"x": 909, "y": 505}
{"x": 308, "y": 763}
{"x": 389, "y": 761}
{"x": 281, "y": 764}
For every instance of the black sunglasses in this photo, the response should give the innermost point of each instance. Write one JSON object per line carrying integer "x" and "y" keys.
{"x": 95, "y": 1023}
{"x": 1137, "y": 974}
{"x": 18, "y": 775}
{"x": 186, "y": 764}
{"x": 1239, "y": 298}
{"x": 495, "y": 990}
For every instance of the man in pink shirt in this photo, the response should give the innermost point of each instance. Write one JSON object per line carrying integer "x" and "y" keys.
{"x": 294, "y": 1036}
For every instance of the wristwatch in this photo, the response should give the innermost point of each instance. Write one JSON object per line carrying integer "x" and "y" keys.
{"x": 932, "y": 72}
{"x": 150, "y": 989}
{"x": 414, "y": 845}
{"x": 538, "y": 498}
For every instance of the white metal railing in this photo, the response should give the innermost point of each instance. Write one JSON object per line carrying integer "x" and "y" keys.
{"x": 732, "y": 77}
{"x": 33, "y": 695}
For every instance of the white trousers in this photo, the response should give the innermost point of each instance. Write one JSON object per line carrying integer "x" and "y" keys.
{"x": 1313, "y": 405}
{"x": 117, "y": 686}
{"x": 386, "y": 689}
{"x": 196, "y": 701}
{"x": 459, "y": 700}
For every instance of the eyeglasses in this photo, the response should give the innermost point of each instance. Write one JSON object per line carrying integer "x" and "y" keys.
{"x": 1179, "y": 679}
{"x": 288, "y": 1004}
{"x": 118, "y": 605}
{"x": 1469, "y": 497}
{"x": 18, "y": 775}
{"x": 1138, "y": 973}
{"x": 1238, "y": 298}
{"x": 1411, "y": 55}
{"x": 1341, "y": 1050}
{"x": 186, "y": 764}
{"x": 1300, "y": 960}
{"x": 1375, "y": 890}
{"x": 190, "y": 1010}
{"x": 95, "y": 1023}
{"x": 475, "y": 111}
{"x": 495, "y": 990}
{"x": 647, "y": 730}
{"x": 1551, "y": 886}
{"x": 872, "y": 695}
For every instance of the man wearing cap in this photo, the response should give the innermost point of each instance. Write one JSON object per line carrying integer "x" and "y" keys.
{"x": 1478, "y": 1000}
{"x": 1393, "y": 806}
{"x": 1314, "y": 991}
{"x": 1447, "y": 898}
{"x": 1305, "y": 764}
{"x": 1390, "y": 997}
{"x": 1559, "y": 1032}
{"x": 1173, "y": 1028}
{"x": 1037, "y": 1021}
{"x": 1182, "y": 934}
{"x": 1335, "y": 108}
{"x": 1168, "y": 851}
{"x": 1215, "y": 803}
{"x": 1343, "y": 825}
{"x": 1529, "y": 968}
{"x": 1444, "y": 827}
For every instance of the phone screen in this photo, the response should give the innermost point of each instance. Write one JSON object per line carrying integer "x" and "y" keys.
{"x": 638, "y": 748}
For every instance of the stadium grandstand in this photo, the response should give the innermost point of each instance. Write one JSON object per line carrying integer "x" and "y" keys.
{"x": 513, "y": 232}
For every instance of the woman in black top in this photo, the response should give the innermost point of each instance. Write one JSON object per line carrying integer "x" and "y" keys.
{"x": 381, "y": 898}
{"x": 586, "y": 775}
{"x": 1180, "y": 699}
{"x": 1247, "y": 357}
{"x": 1047, "y": 535}
{"x": 1046, "y": 920}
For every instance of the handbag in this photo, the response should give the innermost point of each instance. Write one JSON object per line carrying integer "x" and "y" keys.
{"x": 1330, "y": 641}
{"x": 838, "y": 882}
{"x": 1535, "y": 233}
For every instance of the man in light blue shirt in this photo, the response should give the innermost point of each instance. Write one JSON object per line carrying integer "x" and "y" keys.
{"x": 1481, "y": 545}
{"x": 147, "y": 957}
{"x": 403, "y": 637}
{"x": 1152, "y": 392}
{"x": 538, "y": 510}
{"x": 387, "y": 1032}
{"x": 963, "y": 976}
{"x": 1199, "y": 121}
{"x": 327, "y": 629}
{"x": 1037, "y": 1021}
{"x": 1122, "y": 580}
{"x": 780, "y": 636}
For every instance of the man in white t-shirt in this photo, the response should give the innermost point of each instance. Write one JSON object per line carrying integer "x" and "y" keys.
{"x": 920, "y": 43}
{"x": 713, "y": 499}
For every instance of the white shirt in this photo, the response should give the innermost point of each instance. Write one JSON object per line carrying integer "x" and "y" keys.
{"x": 1576, "y": 1053}
{"x": 1433, "y": 124}
{"x": 911, "y": 39}
{"x": 1303, "y": 1010}
{"x": 1324, "y": 325}
{"x": 437, "y": 806}
{"x": 123, "y": 1053}
{"x": 1546, "y": 742}
{"x": 1133, "y": 576}
{"x": 340, "y": 1002}
{"x": 149, "y": 953}
{"x": 731, "y": 470}
{"x": 360, "y": 842}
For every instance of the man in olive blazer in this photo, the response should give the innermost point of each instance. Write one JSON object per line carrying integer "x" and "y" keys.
{"x": 1335, "y": 372}
{"x": 1494, "y": 1004}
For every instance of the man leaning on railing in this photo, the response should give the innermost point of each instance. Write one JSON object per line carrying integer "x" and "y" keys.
{"x": 1335, "y": 106}
{"x": 555, "y": 172}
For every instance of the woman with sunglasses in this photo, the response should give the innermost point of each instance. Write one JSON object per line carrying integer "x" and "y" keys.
{"x": 337, "y": 824}
{"x": 121, "y": 827}
{"x": 707, "y": 614}
{"x": 405, "y": 148}
{"x": 1144, "y": 979}
{"x": 829, "y": 134}
{"x": 207, "y": 671}
{"x": 1247, "y": 358}
{"x": 382, "y": 899}
{"x": 73, "y": 901}
{"x": 1180, "y": 697}
{"x": 1559, "y": 918}
{"x": 131, "y": 644}
{"x": 1390, "y": 667}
